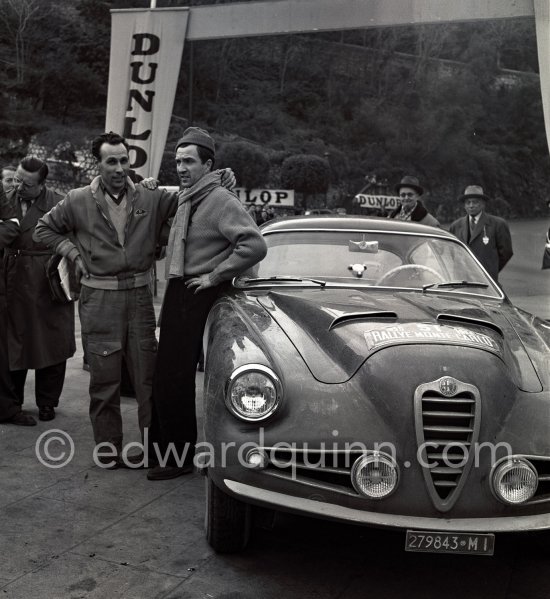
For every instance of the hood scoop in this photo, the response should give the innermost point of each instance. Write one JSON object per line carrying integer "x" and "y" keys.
{"x": 377, "y": 316}
{"x": 458, "y": 318}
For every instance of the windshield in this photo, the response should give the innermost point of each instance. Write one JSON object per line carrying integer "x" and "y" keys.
{"x": 371, "y": 259}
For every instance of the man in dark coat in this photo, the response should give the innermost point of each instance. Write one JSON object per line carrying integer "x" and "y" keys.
{"x": 411, "y": 208}
{"x": 10, "y": 407}
{"x": 40, "y": 331}
{"x": 487, "y": 236}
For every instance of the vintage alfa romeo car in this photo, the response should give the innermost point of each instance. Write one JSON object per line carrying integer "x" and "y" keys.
{"x": 371, "y": 371}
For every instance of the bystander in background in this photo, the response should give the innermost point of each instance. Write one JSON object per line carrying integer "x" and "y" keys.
{"x": 411, "y": 208}
{"x": 487, "y": 236}
{"x": 8, "y": 173}
{"x": 10, "y": 406}
{"x": 40, "y": 330}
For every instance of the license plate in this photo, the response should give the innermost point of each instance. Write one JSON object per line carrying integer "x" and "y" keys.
{"x": 450, "y": 542}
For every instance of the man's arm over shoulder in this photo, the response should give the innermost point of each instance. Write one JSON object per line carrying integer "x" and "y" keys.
{"x": 249, "y": 247}
{"x": 53, "y": 228}
{"x": 167, "y": 202}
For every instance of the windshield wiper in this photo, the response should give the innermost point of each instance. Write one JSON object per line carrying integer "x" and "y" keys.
{"x": 455, "y": 284}
{"x": 285, "y": 280}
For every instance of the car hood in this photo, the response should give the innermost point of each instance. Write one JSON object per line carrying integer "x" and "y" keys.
{"x": 336, "y": 330}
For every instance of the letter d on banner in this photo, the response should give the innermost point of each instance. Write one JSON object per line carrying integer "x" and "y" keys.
{"x": 146, "y": 49}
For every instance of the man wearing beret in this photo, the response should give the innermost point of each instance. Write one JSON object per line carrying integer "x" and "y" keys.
{"x": 409, "y": 191}
{"x": 487, "y": 236}
{"x": 212, "y": 240}
{"x": 110, "y": 230}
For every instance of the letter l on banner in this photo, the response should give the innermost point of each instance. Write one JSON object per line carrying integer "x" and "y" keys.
{"x": 146, "y": 50}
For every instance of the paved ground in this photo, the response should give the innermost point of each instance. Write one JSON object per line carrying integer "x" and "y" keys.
{"x": 83, "y": 532}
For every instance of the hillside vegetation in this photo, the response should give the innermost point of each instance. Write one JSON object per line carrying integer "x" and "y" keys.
{"x": 453, "y": 104}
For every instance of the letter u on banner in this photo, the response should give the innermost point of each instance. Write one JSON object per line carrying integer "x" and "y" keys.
{"x": 146, "y": 50}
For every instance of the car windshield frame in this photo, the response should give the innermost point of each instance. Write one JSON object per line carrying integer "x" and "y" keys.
{"x": 246, "y": 281}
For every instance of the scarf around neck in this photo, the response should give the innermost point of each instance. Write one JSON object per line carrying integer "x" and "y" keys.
{"x": 188, "y": 199}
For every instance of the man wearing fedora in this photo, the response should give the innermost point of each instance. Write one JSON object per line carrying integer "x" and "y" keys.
{"x": 409, "y": 191}
{"x": 487, "y": 236}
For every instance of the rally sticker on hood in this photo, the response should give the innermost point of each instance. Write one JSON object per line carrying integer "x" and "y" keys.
{"x": 415, "y": 332}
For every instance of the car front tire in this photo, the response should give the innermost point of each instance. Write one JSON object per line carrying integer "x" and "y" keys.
{"x": 227, "y": 520}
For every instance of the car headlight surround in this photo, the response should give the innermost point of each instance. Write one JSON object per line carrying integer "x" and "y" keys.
{"x": 514, "y": 481}
{"x": 253, "y": 392}
{"x": 375, "y": 475}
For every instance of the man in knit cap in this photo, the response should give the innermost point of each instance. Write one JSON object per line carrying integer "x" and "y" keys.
{"x": 212, "y": 240}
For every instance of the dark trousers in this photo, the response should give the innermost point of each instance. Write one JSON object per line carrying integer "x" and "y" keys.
{"x": 48, "y": 384}
{"x": 183, "y": 318}
{"x": 118, "y": 324}
{"x": 9, "y": 402}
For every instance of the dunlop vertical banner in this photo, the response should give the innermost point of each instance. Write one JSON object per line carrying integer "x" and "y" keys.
{"x": 146, "y": 49}
{"x": 542, "y": 20}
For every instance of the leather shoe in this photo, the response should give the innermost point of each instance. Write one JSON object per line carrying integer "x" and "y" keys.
{"x": 46, "y": 413}
{"x": 21, "y": 419}
{"x": 167, "y": 472}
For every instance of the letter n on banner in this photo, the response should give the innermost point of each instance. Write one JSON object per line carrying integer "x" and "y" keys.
{"x": 542, "y": 21}
{"x": 146, "y": 50}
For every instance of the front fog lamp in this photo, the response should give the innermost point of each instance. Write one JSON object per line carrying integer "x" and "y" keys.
{"x": 515, "y": 481}
{"x": 257, "y": 459}
{"x": 374, "y": 475}
{"x": 254, "y": 392}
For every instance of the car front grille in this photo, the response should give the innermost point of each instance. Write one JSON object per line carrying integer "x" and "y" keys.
{"x": 447, "y": 420}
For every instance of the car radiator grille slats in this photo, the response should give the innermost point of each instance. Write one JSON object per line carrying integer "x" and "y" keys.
{"x": 447, "y": 424}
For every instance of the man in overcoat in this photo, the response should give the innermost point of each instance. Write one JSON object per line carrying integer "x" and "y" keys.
{"x": 10, "y": 407}
{"x": 40, "y": 331}
{"x": 487, "y": 236}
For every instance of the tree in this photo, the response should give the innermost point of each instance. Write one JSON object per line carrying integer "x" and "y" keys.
{"x": 249, "y": 162}
{"x": 307, "y": 174}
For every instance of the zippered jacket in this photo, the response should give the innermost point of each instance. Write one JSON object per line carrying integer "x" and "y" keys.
{"x": 80, "y": 225}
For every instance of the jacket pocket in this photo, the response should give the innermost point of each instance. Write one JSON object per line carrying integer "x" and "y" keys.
{"x": 104, "y": 358}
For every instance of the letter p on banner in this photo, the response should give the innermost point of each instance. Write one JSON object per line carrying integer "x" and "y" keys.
{"x": 146, "y": 50}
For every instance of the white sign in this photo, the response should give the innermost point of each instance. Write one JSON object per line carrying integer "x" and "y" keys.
{"x": 146, "y": 48}
{"x": 424, "y": 332}
{"x": 265, "y": 197}
{"x": 375, "y": 201}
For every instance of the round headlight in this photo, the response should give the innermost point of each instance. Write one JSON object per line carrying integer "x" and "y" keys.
{"x": 515, "y": 481}
{"x": 375, "y": 475}
{"x": 254, "y": 392}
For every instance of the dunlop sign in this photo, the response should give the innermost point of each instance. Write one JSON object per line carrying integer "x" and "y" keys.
{"x": 372, "y": 201}
{"x": 265, "y": 197}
